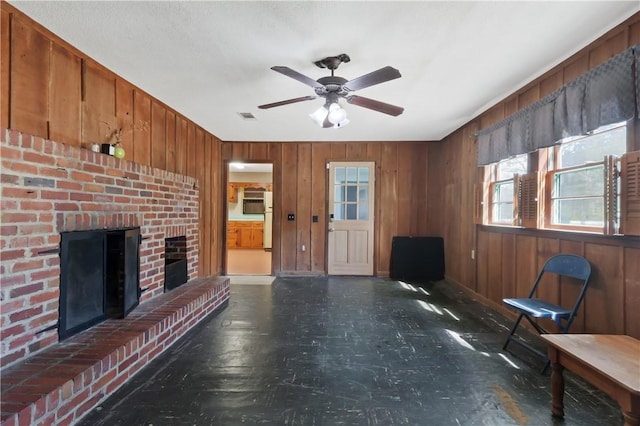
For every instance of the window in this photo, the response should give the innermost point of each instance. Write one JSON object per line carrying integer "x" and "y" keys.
{"x": 503, "y": 188}
{"x": 351, "y": 193}
{"x": 581, "y": 180}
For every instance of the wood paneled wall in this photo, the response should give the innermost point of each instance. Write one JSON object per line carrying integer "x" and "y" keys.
{"x": 52, "y": 90}
{"x": 300, "y": 186}
{"x": 507, "y": 259}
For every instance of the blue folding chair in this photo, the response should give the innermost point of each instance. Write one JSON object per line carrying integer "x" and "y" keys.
{"x": 566, "y": 265}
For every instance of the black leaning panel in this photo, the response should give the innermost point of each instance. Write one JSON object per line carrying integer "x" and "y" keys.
{"x": 417, "y": 258}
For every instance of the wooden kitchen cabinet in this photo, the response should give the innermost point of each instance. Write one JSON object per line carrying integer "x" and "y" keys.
{"x": 232, "y": 189}
{"x": 232, "y": 193}
{"x": 232, "y": 237}
{"x": 245, "y": 234}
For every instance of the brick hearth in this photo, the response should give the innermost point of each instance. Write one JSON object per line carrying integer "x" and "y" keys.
{"x": 59, "y": 385}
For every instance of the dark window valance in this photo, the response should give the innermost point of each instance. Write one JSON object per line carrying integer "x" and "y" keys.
{"x": 603, "y": 95}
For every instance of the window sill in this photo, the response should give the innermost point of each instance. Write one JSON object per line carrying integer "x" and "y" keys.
{"x": 629, "y": 240}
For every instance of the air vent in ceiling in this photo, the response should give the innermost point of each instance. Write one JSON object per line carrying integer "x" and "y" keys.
{"x": 247, "y": 115}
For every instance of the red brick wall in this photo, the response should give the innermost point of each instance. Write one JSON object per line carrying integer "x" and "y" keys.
{"x": 49, "y": 187}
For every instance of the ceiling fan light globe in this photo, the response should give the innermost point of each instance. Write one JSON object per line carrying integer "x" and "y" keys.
{"x": 336, "y": 114}
{"x": 342, "y": 123}
{"x": 319, "y": 115}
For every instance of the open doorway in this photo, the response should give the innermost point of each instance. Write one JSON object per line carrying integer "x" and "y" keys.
{"x": 249, "y": 218}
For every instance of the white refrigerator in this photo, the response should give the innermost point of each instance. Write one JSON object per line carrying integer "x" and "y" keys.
{"x": 268, "y": 220}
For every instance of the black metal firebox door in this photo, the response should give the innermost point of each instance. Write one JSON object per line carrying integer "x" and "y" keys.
{"x": 82, "y": 281}
{"x": 99, "y": 277}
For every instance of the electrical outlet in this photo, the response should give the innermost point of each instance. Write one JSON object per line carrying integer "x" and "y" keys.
{"x": 473, "y": 254}
{"x": 303, "y": 248}
{"x": 291, "y": 216}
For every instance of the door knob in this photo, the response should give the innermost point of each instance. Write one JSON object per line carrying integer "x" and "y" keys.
{"x": 331, "y": 229}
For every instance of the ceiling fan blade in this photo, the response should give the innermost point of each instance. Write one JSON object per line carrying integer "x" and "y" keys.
{"x": 376, "y": 77}
{"x": 297, "y": 76}
{"x": 375, "y": 105}
{"x": 287, "y": 102}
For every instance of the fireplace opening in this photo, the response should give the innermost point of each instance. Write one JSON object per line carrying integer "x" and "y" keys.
{"x": 175, "y": 262}
{"x": 99, "y": 277}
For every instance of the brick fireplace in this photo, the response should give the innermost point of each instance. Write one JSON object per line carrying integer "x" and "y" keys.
{"x": 53, "y": 194}
{"x": 49, "y": 188}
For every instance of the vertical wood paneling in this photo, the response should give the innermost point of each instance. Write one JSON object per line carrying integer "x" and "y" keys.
{"x": 405, "y": 189}
{"x": 435, "y": 197}
{"x": 217, "y": 210}
{"x": 387, "y": 211}
{"x": 374, "y": 154}
{"x": 494, "y": 274}
{"x": 338, "y": 151}
{"x": 275, "y": 155}
{"x": 65, "y": 97}
{"x": 99, "y": 106}
{"x": 32, "y": 72}
{"x": 142, "y": 137}
{"x": 492, "y": 115}
{"x": 60, "y": 93}
{"x": 307, "y": 178}
{"x": 634, "y": 34}
{"x": 356, "y": 151}
{"x": 609, "y": 255}
{"x": 170, "y": 141}
{"x": 419, "y": 188}
{"x": 158, "y": 136}
{"x": 569, "y": 291}
{"x": 526, "y": 265}
{"x": 29, "y": 79}
{"x": 319, "y": 179}
{"x": 204, "y": 196}
{"x": 191, "y": 150}
{"x": 613, "y": 45}
{"x": 605, "y": 296}
{"x": 576, "y": 67}
{"x": 632, "y": 293}
{"x": 449, "y": 207}
{"x": 241, "y": 151}
{"x": 5, "y": 70}
{"x": 529, "y": 96}
{"x": 181, "y": 145}
{"x": 551, "y": 83}
{"x": 124, "y": 115}
{"x": 258, "y": 151}
{"x": 510, "y": 106}
{"x": 482, "y": 256}
{"x": 289, "y": 182}
{"x": 304, "y": 192}
{"x": 508, "y": 275}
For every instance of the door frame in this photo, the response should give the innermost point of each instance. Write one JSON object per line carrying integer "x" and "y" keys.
{"x": 374, "y": 210}
{"x": 225, "y": 204}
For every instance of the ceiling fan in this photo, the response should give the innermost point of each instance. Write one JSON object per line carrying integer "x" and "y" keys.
{"x": 332, "y": 88}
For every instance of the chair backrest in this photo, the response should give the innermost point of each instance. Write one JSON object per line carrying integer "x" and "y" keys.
{"x": 569, "y": 265}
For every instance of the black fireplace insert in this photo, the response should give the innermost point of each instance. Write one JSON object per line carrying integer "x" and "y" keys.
{"x": 99, "y": 277}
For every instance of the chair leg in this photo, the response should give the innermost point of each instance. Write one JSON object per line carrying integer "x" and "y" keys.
{"x": 513, "y": 330}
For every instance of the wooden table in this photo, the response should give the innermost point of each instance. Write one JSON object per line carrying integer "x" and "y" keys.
{"x": 609, "y": 362}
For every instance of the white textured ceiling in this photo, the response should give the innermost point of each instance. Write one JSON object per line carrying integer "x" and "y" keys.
{"x": 211, "y": 60}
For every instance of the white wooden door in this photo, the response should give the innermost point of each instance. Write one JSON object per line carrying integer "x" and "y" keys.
{"x": 351, "y": 203}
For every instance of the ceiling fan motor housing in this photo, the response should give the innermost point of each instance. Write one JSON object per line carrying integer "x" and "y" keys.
{"x": 332, "y": 84}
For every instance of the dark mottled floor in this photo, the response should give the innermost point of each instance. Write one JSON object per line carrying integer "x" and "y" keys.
{"x": 348, "y": 351}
